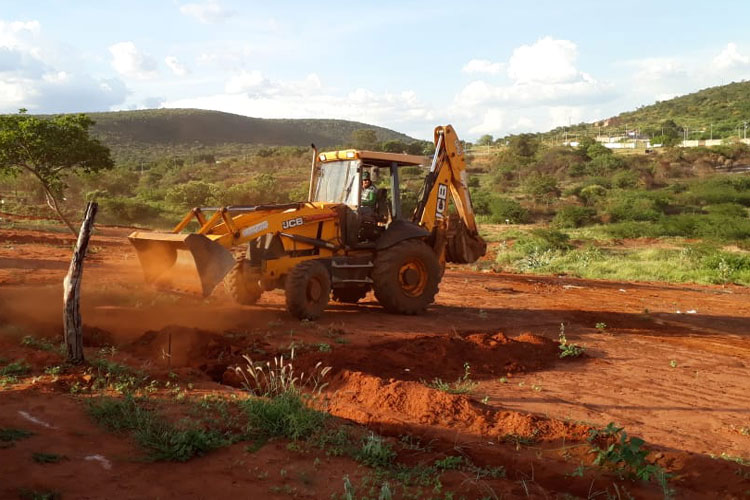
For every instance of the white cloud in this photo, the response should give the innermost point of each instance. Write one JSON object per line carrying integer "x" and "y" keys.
{"x": 129, "y": 61}
{"x": 176, "y": 66}
{"x": 33, "y": 75}
{"x": 254, "y": 94}
{"x": 482, "y": 66}
{"x": 256, "y": 85}
{"x": 565, "y": 115}
{"x": 730, "y": 57}
{"x": 18, "y": 33}
{"x": 210, "y": 12}
{"x": 541, "y": 78}
{"x": 492, "y": 121}
{"x": 545, "y": 61}
{"x": 658, "y": 68}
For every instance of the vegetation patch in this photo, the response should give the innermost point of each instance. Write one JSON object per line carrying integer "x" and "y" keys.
{"x": 10, "y": 373}
{"x": 284, "y": 415}
{"x": 8, "y": 436}
{"x": 462, "y": 384}
{"x": 47, "y": 458}
{"x": 162, "y": 440}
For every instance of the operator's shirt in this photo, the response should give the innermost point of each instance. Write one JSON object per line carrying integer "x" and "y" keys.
{"x": 368, "y": 197}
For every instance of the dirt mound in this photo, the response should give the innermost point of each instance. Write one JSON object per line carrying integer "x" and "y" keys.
{"x": 426, "y": 357}
{"x": 380, "y": 403}
{"x": 180, "y": 346}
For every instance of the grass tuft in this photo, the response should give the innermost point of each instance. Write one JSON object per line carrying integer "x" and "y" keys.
{"x": 284, "y": 415}
{"x": 47, "y": 458}
{"x": 162, "y": 440}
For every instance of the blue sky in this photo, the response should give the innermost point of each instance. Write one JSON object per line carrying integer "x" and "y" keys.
{"x": 486, "y": 67}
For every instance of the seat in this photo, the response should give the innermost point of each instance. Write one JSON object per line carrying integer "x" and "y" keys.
{"x": 382, "y": 207}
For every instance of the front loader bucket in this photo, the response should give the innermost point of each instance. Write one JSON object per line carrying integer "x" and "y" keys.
{"x": 174, "y": 260}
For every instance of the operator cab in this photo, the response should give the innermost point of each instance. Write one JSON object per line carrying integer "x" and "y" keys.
{"x": 337, "y": 178}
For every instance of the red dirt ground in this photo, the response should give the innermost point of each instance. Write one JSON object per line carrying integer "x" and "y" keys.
{"x": 678, "y": 380}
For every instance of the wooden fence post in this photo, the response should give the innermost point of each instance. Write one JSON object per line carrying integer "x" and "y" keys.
{"x": 72, "y": 289}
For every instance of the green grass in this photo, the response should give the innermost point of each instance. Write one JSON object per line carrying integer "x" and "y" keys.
{"x": 10, "y": 373}
{"x": 8, "y": 436}
{"x": 47, "y": 458}
{"x": 689, "y": 264}
{"x": 116, "y": 376}
{"x": 462, "y": 385}
{"x": 375, "y": 452}
{"x": 285, "y": 415}
{"x": 26, "y": 494}
{"x": 41, "y": 344}
{"x": 159, "y": 438}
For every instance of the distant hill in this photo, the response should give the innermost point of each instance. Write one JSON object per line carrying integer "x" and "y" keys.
{"x": 725, "y": 107}
{"x": 182, "y": 127}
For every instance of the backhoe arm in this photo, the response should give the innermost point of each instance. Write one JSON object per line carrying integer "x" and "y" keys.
{"x": 456, "y": 239}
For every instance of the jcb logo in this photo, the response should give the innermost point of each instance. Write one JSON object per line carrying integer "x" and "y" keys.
{"x": 288, "y": 224}
{"x": 442, "y": 200}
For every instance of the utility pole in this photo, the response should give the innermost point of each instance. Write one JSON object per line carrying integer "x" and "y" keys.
{"x": 745, "y": 122}
{"x": 712, "y": 131}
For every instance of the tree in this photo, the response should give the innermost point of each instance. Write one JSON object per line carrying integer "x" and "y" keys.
{"x": 394, "y": 146}
{"x": 364, "y": 138}
{"x": 485, "y": 140}
{"x": 542, "y": 188}
{"x": 49, "y": 149}
{"x": 524, "y": 145}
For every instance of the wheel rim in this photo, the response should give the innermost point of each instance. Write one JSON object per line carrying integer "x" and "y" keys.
{"x": 412, "y": 276}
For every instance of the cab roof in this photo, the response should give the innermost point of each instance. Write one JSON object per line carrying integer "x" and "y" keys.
{"x": 374, "y": 158}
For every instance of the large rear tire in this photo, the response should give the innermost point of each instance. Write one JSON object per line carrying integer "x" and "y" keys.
{"x": 406, "y": 277}
{"x": 350, "y": 295}
{"x": 308, "y": 289}
{"x": 241, "y": 285}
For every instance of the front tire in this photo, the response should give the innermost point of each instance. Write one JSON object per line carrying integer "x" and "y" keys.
{"x": 308, "y": 289}
{"x": 241, "y": 285}
{"x": 406, "y": 277}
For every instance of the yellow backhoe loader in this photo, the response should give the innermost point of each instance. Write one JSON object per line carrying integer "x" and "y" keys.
{"x": 329, "y": 244}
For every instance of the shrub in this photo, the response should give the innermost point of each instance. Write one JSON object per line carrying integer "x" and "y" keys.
{"x": 160, "y": 438}
{"x": 192, "y": 194}
{"x": 591, "y": 194}
{"x": 604, "y": 164}
{"x": 625, "y": 179}
{"x": 727, "y": 210}
{"x": 260, "y": 190}
{"x": 375, "y": 452}
{"x": 635, "y": 205}
{"x": 633, "y": 229}
{"x": 574, "y": 216}
{"x": 127, "y": 210}
{"x": 284, "y": 415}
{"x": 717, "y": 190}
{"x": 541, "y": 240}
{"x": 480, "y": 200}
{"x": 502, "y": 209}
{"x": 542, "y": 187}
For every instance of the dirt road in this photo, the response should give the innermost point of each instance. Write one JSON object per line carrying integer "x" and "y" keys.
{"x": 669, "y": 363}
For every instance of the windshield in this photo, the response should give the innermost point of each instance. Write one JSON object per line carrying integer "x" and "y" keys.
{"x": 337, "y": 182}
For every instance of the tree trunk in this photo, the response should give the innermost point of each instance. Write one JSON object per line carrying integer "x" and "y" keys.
{"x": 72, "y": 289}
{"x": 52, "y": 202}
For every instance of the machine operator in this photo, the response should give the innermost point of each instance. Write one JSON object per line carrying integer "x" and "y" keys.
{"x": 368, "y": 197}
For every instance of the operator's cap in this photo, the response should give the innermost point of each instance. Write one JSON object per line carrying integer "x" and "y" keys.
{"x": 365, "y": 176}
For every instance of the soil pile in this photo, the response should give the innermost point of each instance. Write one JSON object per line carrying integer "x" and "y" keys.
{"x": 376, "y": 402}
{"x": 488, "y": 355}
